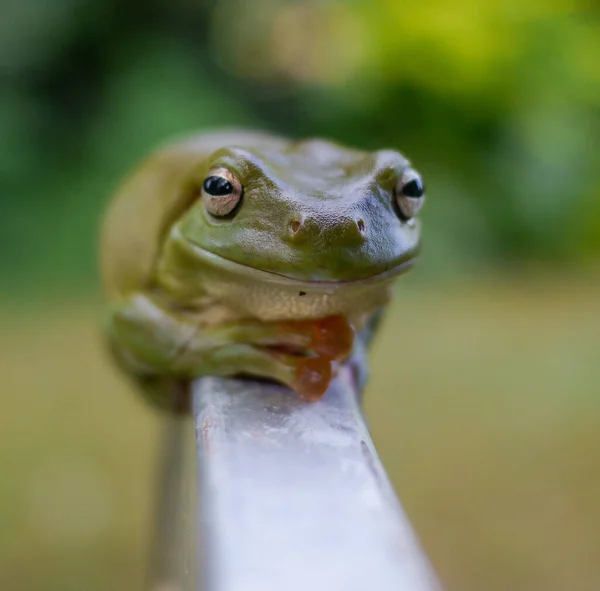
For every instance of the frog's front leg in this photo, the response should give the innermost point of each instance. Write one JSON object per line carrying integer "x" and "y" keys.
{"x": 158, "y": 344}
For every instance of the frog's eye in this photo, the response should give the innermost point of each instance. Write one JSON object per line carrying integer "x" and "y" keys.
{"x": 221, "y": 192}
{"x": 410, "y": 194}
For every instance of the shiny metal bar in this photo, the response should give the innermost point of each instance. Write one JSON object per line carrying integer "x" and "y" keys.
{"x": 294, "y": 497}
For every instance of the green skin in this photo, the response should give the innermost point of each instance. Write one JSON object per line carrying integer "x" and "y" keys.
{"x": 287, "y": 286}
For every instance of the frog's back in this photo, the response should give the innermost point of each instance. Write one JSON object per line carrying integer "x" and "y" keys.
{"x": 153, "y": 198}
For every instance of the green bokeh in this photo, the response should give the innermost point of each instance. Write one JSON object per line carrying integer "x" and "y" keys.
{"x": 497, "y": 105}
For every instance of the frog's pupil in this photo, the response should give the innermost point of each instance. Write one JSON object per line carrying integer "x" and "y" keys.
{"x": 413, "y": 188}
{"x": 217, "y": 185}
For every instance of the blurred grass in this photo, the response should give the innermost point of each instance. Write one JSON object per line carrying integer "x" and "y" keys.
{"x": 77, "y": 458}
{"x": 483, "y": 403}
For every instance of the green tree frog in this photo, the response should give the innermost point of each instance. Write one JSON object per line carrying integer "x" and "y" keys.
{"x": 239, "y": 253}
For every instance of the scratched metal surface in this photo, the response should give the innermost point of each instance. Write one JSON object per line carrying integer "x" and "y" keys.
{"x": 294, "y": 496}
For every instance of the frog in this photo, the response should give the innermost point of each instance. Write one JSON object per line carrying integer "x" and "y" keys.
{"x": 242, "y": 253}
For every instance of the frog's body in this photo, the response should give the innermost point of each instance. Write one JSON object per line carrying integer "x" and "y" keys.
{"x": 271, "y": 278}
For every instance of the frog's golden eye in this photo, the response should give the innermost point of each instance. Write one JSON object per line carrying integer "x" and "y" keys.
{"x": 221, "y": 192}
{"x": 409, "y": 194}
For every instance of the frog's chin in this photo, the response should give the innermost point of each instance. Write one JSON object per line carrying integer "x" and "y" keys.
{"x": 239, "y": 269}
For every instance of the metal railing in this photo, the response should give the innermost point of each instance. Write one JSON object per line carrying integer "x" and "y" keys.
{"x": 284, "y": 496}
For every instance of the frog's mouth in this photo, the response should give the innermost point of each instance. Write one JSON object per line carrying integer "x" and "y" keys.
{"x": 225, "y": 265}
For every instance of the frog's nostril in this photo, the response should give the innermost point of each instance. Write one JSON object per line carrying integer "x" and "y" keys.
{"x": 360, "y": 225}
{"x": 294, "y": 226}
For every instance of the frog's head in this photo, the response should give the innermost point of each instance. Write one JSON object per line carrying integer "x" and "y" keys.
{"x": 310, "y": 210}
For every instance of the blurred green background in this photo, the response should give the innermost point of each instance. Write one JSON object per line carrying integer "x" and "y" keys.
{"x": 485, "y": 395}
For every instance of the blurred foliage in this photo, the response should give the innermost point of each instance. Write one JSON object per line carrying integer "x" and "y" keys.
{"x": 496, "y": 103}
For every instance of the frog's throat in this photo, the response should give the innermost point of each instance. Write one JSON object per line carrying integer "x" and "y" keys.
{"x": 255, "y": 274}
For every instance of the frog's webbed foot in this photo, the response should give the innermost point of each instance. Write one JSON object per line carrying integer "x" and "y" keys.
{"x": 300, "y": 354}
{"x": 164, "y": 349}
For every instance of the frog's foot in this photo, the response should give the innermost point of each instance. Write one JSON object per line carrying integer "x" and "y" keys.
{"x": 331, "y": 338}
{"x": 325, "y": 341}
{"x": 160, "y": 347}
{"x": 300, "y": 354}
{"x": 309, "y": 377}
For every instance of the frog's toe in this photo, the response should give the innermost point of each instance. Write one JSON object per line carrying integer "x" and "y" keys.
{"x": 313, "y": 376}
{"x": 333, "y": 338}
{"x": 309, "y": 377}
